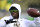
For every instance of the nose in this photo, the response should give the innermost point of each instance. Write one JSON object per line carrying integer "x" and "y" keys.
{"x": 14, "y": 13}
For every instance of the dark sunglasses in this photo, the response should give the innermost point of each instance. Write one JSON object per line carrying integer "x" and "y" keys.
{"x": 13, "y": 11}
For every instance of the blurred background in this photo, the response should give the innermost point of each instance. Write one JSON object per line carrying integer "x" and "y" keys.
{"x": 25, "y": 4}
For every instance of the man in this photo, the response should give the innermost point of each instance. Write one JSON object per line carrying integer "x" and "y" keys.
{"x": 33, "y": 12}
{"x": 15, "y": 11}
{"x": 14, "y": 19}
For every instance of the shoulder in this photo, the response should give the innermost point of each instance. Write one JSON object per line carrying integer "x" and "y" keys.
{"x": 6, "y": 18}
{"x": 2, "y": 23}
{"x": 27, "y": 21}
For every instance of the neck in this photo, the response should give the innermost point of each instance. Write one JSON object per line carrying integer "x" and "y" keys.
{"x": 15, "y": 18}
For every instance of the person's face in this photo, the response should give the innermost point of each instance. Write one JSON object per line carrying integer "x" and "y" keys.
{"x": 15, "y": 14}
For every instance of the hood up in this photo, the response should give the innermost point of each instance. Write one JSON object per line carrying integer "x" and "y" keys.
{"x": 18, "y": 7}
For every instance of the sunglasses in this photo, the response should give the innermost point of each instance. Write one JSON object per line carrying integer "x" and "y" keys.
{"x": 13, "y": 11}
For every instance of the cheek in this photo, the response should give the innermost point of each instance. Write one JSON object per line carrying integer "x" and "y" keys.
{"x": 16, "y": 14}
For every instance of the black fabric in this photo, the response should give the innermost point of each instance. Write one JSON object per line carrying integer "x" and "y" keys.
{"x": 10, "y": 21}
{"x": 13, "y": 8}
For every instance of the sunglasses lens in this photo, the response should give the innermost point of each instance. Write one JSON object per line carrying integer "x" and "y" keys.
{"x": 13, "y": 11}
